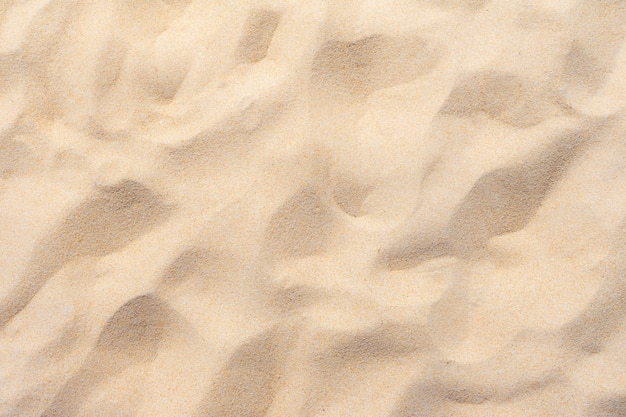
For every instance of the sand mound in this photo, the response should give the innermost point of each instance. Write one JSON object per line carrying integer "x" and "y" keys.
{"x": 327, "y": 208}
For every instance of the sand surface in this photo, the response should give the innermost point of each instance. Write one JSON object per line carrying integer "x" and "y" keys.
{"x": 293, "y": 208}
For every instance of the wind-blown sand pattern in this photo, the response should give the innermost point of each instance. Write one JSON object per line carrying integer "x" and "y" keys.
{"x": 312, "y": 208}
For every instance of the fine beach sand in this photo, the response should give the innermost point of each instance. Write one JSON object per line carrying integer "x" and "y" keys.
{"x": 300, "y": 208}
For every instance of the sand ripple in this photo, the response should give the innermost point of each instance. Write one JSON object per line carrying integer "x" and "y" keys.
{"x": 312, "y": 208}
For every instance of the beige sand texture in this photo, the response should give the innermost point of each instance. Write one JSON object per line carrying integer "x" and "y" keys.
{"x": 301, "y": 208}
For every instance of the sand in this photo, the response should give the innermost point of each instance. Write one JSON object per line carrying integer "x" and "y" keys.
{"x": 312, "y": 208}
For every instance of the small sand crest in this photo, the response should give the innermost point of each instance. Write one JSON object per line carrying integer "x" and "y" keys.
{"x": 251, "y": 378}
{"x": 97, "y": 227}
{"x": 131, "y": 336}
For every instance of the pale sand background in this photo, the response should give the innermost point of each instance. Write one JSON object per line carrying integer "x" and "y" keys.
{"x": 308, "y": 208}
